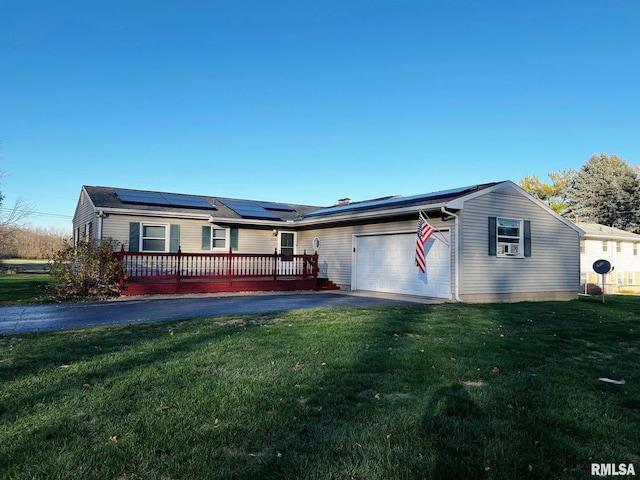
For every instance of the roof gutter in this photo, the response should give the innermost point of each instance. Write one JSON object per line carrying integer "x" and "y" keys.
{"x": 456, "y": 261}
{"x": 152, "y": 213}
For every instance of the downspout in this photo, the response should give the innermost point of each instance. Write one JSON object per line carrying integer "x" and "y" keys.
{"x": 455, "y": 255}
{"x": 100, "y": 217}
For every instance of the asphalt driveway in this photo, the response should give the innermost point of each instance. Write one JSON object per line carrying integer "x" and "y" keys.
{"x": 33, "y": 318}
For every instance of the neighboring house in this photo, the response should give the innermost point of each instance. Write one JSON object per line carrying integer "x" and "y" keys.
{"x": 620, "y": 248}
{"x": 493, "y": 242}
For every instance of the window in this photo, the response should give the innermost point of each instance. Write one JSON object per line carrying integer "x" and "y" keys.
{"x": 509, "y": 237}
{"x": 635, "y": 249}
{"x": 582, "y": 246}
{"x": 629, "y": 278}
{"x": 605, "y": 246}
{"x": 219, "y": 239}
{"x": 618, "y": 247}
{"x": 154, "y": 238}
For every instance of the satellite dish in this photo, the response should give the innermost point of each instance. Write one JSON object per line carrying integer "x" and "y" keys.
{"x": 602, "y": 266}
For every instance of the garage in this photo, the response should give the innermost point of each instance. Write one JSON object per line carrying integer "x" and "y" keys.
{"x": 386, "y": 263}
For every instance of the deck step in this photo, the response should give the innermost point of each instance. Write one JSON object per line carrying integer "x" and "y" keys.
{"x": 326, "y": 284}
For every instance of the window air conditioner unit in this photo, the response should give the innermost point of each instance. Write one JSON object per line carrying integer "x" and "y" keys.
{"x": 508, "y": 249}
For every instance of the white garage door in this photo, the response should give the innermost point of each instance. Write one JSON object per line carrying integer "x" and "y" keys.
{"x": 386, "y": 263}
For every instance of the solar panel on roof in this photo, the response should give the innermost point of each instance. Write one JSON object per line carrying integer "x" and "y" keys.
{"x": 166, "y": 199}
{"x": 278, "y": 207}
{"x": 247, "y": 209}
{"x": 149, "y": 198}
{"x": 189, "y": 201}
{"x": 394, "y": 201}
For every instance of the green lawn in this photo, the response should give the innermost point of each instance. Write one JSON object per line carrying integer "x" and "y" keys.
{"x": 444, "y": 391}
{"x": 24, "y": 288}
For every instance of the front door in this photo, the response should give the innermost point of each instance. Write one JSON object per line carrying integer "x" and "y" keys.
{"x": 286, "y": 247}
{"x": 286, "y": 243}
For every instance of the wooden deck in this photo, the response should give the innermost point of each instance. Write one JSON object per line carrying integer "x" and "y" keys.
{"x": 173, "y": 273}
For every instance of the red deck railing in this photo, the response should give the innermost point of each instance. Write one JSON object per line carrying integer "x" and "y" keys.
{"x": 142, "y": 266}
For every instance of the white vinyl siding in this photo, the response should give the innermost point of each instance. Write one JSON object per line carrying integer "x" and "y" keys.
{"x": 554, "y": 264}
{"x": 336, "y": 255}
{"x": 249, "y": 241}
{"x": 624, "y": 260}
{"x": 84, "y": 215}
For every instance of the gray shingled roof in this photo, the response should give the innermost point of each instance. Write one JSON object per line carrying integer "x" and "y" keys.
{"x": 106, "y": 197}
{"x": 602, "y": 231}
{"x": 424, "y": 199}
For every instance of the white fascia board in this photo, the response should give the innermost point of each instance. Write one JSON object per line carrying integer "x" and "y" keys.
{"x": 458, "y": 203}
{"x": 153, "y": 213}
{"x": 248, "y": 221}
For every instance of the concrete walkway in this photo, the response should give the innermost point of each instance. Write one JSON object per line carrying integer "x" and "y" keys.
{"x": 34, "y": 318}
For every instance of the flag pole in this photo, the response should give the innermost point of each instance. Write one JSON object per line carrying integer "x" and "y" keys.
{"x": 422, "y": 213}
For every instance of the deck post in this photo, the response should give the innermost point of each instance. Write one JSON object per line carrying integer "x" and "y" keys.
{"x": 316, "y": 266}
{"x": 230, "y": 267}
{"x": 304, "y": 264}
{"x": 178, "y": 267}
{"x": 275, "y": 264}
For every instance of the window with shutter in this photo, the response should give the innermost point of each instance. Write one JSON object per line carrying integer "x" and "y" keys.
{"x": 509, "y": 237}
{"x": 219, "y": 239}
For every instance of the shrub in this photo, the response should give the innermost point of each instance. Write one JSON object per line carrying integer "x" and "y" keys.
{"x": 592, "y": 289}
{"x": 86, "y": 269}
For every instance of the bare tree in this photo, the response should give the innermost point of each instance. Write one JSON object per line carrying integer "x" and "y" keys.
{"x": 12, "y": 218}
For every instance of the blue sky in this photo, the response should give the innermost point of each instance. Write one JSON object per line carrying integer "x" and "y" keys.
{"x": 308, "y": 101}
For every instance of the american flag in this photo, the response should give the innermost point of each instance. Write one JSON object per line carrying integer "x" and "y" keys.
{"x": 424, "y": 232}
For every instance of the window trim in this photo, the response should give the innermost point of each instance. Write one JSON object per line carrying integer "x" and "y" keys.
{"x": 167, "y": 241}
{"x": 227, "y": 239}
{"x": 520, "y": 238}
{"x": 295, "y": 241}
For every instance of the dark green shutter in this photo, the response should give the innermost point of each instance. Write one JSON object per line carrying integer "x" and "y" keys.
{"x": 174, "y": 235}
{"x": 206, "y": 238}
{"x": 234, "y": 239}
{"x": 527, "y": 238}
{"x": 492, "y": 236}
{"x": 134, "y": 237}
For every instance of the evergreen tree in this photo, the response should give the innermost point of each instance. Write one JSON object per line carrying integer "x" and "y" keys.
{"x": 607, "y": 191}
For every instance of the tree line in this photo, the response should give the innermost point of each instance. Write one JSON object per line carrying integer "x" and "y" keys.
{"x": 31, "y": 242}
{"x": 605, "y": 190}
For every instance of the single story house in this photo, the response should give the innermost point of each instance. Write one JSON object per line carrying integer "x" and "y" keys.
{"x": 619, "y": 248}
{"x": 493, "y": 242}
